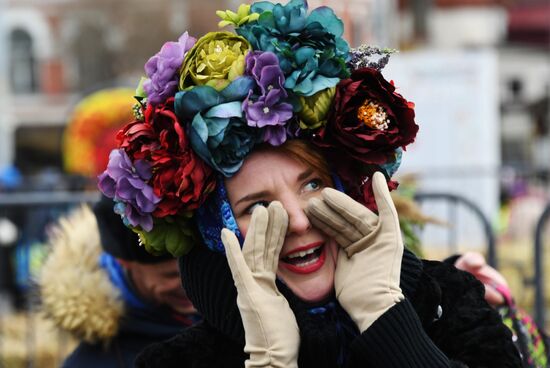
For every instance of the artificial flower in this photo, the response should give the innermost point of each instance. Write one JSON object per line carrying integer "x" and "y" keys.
{"x": 162, "y": 69}
{"x": 391, "y": 165}
{"x": 275, "y": 134}
{"x": 218, "y": 131}
{"x": 237, "y": 19}
{"x": 264, "y": 68}
{"x": 265, "y": 105}
{"x": 314, "y": 109}
{"x": 368, "y": 193}
{"x": 368, "y": 119}
{"x": 180, "y": 178}
{"x": 266, "y": 111}
{"x": 366, "y": 56}
{"x": 216, "y": 60}
{"x": 310, "y": 47}
{"x": 127, "y": 182}
{"x": 172, "y": 234}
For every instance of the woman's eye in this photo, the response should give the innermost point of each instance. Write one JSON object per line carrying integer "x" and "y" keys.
{"x": 313, "y": 185}
{"x": 252, "y": 207}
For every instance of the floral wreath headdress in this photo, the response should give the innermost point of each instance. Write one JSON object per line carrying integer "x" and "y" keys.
{"x": 206, "y": 103}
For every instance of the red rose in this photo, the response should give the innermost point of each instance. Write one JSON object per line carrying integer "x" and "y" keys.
{"x": 180, "y": 177}
{"x": 368, "y": 119}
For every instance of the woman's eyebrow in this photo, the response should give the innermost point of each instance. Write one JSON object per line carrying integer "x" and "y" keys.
{"x": 304, "y": 175}
{"x": 252, "y": 196}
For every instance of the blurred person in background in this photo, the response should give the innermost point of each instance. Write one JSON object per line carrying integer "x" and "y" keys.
{"x": 97, "y": 282}
{"x": 99, "y": 285}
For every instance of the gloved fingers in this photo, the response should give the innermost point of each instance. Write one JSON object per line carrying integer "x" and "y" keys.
{"x": 386, "y": 209}
{"x": 334, "y": 223}
{"x": 336, "y": 232}
{"x": 239, "y": 269}
{"x": 255, "y": 240}
{"x": 352, "y": 211}
{"x": 276, "y": 233}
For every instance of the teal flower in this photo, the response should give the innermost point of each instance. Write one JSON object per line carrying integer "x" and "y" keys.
{"x": 310, "y": 47}
{"x": 218, "y": 131}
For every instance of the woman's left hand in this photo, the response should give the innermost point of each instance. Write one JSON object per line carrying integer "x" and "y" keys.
{"x": 369, "y": 262}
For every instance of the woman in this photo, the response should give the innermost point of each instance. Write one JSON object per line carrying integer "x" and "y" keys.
{"x": 403, "y": 312}
{"x": 271, "y": 138}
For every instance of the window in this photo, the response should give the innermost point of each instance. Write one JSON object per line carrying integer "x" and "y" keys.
{"x": 22, "y": 62}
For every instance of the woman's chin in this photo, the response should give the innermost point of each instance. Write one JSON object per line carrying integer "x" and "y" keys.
{"x": 314, "y": 296}
{"x": 311, "y": 291}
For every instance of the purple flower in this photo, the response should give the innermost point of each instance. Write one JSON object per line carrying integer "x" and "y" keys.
{"x": 162, "y": 69}
{"x": 264, "y": 68}
{"x": 264, "y": 106}
{"x": 275, "y": 135}
{"x": 131, "y": 216}
{"x": 266, "y": 110}
{"x": 127, "y": 184}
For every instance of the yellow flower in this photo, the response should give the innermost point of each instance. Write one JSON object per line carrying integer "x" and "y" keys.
{"x": 216, "y": 60}
{"x": 237, "y": 19}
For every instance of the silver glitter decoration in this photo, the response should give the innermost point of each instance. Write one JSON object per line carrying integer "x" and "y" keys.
{"x": 366, "y": 56}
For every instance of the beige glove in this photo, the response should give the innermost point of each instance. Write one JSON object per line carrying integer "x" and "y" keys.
{"x": 369, "y": 262}
{"x": 271, "y": 332}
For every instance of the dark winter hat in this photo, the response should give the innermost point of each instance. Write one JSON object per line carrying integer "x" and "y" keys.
{"x": 117, "y": 239}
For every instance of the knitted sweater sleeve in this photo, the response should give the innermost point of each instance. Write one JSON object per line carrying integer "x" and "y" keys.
{"x": 396, "y": 340}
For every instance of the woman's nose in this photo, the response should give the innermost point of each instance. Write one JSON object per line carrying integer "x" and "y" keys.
{"x": 298, "y": 222}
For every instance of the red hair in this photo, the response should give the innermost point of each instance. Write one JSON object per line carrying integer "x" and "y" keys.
{"x": 305, "y": 153}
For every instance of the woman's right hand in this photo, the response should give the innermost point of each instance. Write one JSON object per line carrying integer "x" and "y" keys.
{"x": 271, "y": 332}
{"x": 371, "y": 248}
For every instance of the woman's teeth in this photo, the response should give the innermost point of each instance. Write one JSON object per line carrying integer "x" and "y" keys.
{"x": 304, "y": 253}
{"x": 304, "y": 258}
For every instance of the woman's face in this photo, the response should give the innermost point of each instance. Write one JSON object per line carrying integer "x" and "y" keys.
{"x": 308, "y": 257}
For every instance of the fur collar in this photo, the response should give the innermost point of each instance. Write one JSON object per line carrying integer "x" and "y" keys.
{"x": 76, "y": 292}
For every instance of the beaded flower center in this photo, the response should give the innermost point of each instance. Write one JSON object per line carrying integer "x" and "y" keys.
{"x": 373, "y": 115}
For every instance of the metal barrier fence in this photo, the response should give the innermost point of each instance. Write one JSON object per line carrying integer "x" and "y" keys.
{"x": 538, "y": 280}
{"x": 455, "y": 201}
{"x": 540, "y": 309}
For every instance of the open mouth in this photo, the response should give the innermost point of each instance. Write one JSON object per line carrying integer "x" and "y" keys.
{"x": 305, "y": 260}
